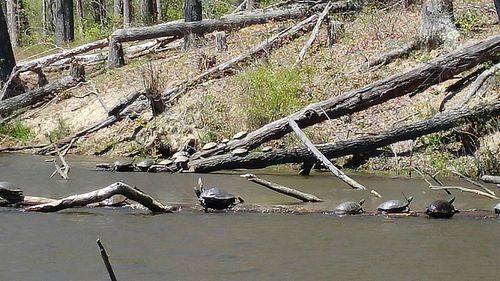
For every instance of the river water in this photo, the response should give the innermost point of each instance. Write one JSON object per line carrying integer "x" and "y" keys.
{"x": 239, "y": 246}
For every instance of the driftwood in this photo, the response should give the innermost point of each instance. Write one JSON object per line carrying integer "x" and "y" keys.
{"x": 474, "y": 182}
{"x": 464, "y": 189}
{"x": 105, "y": 259}
{"x": 8, "y": 106}
{"x": 314, "y": 33}
{"x": 441, "y": 121}
{"x": 282, "y": 189}
{"x": 413, "y": 81}
{"x": 491, "y": 179}
{"x": 336, "y": 172}
{"x": 81, "y": 200}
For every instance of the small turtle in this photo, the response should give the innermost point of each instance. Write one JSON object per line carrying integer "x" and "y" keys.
{"x": 180, "y": 154}
{"x": 349, "y": 208}
{"x": 123, "y": 166}
{"x": 441, "y": 209}
{"x": 145, "y": 164}
{"x": 210, "y": 145}
{"x": 11, "y": 192}
{"x": 225, "y": 141}
{"x": 267, "y": 149}
{"x": 166, "y": 162}
{"x": 497, "y": 209}
{"x": 239, "y": 152}
{"x": 215, "y": 198}
{"x": 395, "y": 206}
{"x": 181, "y": 162}
{"x": 240, "y": 135}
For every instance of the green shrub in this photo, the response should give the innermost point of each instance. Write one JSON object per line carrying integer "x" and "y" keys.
{"x": 470, "y": 20}
{"x": 16, "y": 130}
{"x": 272, "y": 93}
{"x": 60, "y": 131}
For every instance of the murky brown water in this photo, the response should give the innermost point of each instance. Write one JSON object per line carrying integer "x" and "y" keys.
{"x": 237, "y": 246}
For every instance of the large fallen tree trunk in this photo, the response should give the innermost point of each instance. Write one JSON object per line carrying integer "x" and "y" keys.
{"x": 441, "y": 121}
{"x": 81, "y": 200}
{"x": 29, "y": 98}
{"x": 415, "y": 80}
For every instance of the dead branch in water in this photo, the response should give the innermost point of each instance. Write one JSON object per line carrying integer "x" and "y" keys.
{"x": 469, "y": 180}
{"x": 465, "y": 189}
{"x": 305, "y": 197}
{"x": 81, "y": 200}
{"x": 336, "y": 172}
{"x": 105, "y": 259}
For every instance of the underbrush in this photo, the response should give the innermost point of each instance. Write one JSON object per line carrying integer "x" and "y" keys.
{"x": 17, "y": 130}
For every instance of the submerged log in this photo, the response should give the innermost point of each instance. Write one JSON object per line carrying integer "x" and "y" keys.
{"x": 336, "y": 172}
{"x": 305, "y": 197}
{"x": 81, "y": 200}
{"x": 413, "y": 81}
{"x": 439, "y": 122}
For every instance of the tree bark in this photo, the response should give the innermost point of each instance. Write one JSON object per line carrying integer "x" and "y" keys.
{"x": 12, "y": 22}
{"x": 116, "y": 57}
{"x": 497, "y": 8}
{"x": 439, "y": 122}
{"x": 413, "y": 81}
{"x": 127, "y": 13}
{"x": 64, "y": 22}
{"x": 192, "y": 13}
{"x": 49, "y": 16}
{"x": 147, "y": 12}
{"x": 7, "y": 60}
{"x": 437, "y": 25}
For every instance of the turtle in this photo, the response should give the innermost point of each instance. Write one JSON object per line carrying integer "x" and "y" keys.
{"x": 349, "y": 208}
{"x": 180, "y": 154}
{"x": 145, "y": 164}
{"x": 181, "y": 162}
{"x": 441, "y": 209}
{"x": 215, "y": 198}
{"x": 240, "y": 135}
{"x": 224, "y": 141}
{"x": 210, "y": 145}
{"x": 239, "y": 152}
{"x": 123, "y": 166}
{"x": 497, "y": 209}
{"x": 166, "y": 162}
{"x": 395, "y": 206}
{"x": 11, "y": 192}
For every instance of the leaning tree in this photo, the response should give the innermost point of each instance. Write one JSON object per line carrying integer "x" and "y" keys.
{"x": 7, "y": 60}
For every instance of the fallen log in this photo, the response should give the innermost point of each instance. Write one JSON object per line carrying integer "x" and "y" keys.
{"x": 336, "y": 172}
{"x": 81, "y": 200}
{"x": 439, "y": 122}
{"x": 491, "y": 179}
{"x": 305, "y": 197}
{"x": 415, "y": 80}
{"x": 8, "y": 106}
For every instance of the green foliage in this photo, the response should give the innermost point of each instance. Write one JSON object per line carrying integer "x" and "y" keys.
{"x": 470, "y": 20}
{"x": 16, "y": 130}
{"x": 272, "y": 93}
{"x": 62, "y": 129}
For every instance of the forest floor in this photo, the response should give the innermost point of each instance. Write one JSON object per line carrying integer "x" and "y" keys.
{"x": 273, "y": 87}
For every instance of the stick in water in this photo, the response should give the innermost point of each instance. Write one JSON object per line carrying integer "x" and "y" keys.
{"x": 105, "y": 259}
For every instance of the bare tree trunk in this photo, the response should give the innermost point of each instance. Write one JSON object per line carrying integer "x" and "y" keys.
{"x": 79, "y": 15}
{"x": 252, "y": 4}
{"x": 117, "y": 9}
{"x": 127, "y": 11}
{"x": 49, "y": 16}
{"x": 12, "y": 22}
{"x": 437, "y": 25}
{"x": 159, "y": 15}
{"x": 100, "y": 14}
{"x": 64, "y": 22}
{"x": 147, "y": 12}
{"x": 6, "y": 53}
{"x": 497, "y": 7}
{"x": 192, "y": 12}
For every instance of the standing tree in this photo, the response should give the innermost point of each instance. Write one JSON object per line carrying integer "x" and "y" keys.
{"x": 438, "y": 25}
{"x": 192, "y": 12}
{"x": 147, "y": 11}
{"x": 99, "y": 11}
{"x": 49, "y": 16}
{"x": 252, "y": 4}
{"x": 7, "y": 60}
{"x": 79, "y": 15}
{"x": 64, "y": 22}
{"x": 497, "y": 7}
{"x": 127, "y": 11}
{"x": 117, "y": 11}
{"x": 11, "y": 8}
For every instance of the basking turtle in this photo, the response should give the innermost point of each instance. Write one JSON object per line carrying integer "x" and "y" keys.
{"x": 240, "y": 135}
{"x": 267, "y": 148}
{"x": 215, "y": 198}
{"x": 11, "y": 192}
{"x": 395, "y": 206}
{"x": 210, "y": 145}
{"x": 123, "y": 166}
{"x": 349, "y": 208}
{"x": 441, "y": 209}
{"x": 145, "y": 164}
{"x": 497, "y": 209}
{"x": 239, "y": 152}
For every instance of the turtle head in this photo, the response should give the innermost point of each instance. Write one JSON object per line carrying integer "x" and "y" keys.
{"x": 197, "y": 191}
{"x": 241, "y": 199}
{"x": 451, "y": 200}
{"x": 361, "y": 202}
{"x": 408, "y": 199}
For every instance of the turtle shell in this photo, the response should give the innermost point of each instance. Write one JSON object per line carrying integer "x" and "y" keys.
{"x": 145, "y": 164}
{"x": 8, "y": 185}
{"x": 216, "y": 198}
{"x": 497, "y": 208}
{"x": 348, "y": 208}
{"x": 209, "y": 146}
{"x": 240, "y": 135}
{"x": 267, "y": 149}
{"x": 441, "y": 209}
{"x": 239, "y": 152}
{"x": 123, "y": 166}
{"x": 165, "y": 162}
{"x": 394, "y": 206}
